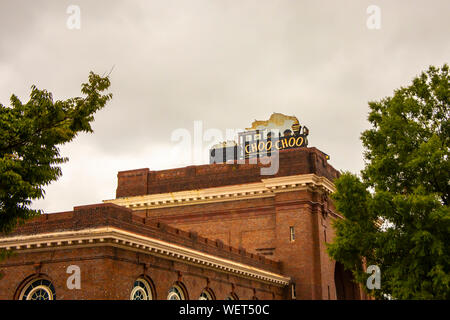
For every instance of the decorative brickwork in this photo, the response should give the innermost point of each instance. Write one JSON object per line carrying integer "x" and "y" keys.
{"x": 292, "y": 162}
{"x": 221, "y": 226}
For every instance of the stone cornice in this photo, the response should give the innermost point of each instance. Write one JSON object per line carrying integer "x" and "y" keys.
{"x": 120, "y": 238}
{"x": 299, "y": 182}
{"x": 266, "y": 188}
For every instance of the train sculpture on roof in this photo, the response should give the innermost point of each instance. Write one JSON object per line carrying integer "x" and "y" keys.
{"x": 262, "y": 139}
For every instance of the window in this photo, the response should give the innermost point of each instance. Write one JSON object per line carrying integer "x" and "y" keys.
{"x": 141, "y": 290}
{"x": 232, "y": 296}
{"x": 207, "y": 294}
{"x": 293, "y": 292}
{"x": 40, "y": 289}
{"x": 292, "y": 233}
{"x": 175, "y": 293}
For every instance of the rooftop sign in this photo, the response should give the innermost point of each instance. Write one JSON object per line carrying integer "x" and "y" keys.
{"x": 262, "y": 138}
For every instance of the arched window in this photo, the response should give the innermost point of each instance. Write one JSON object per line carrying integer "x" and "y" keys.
{"x": 207, "y": 294}
{"x": 177, "y": 293}
{"x": 142, "y": 290}
{"x": 232, "y": 296}
{"x": 38, "y": 289}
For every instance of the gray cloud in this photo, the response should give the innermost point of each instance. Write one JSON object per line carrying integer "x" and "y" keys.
{"x": 223, "y": 62}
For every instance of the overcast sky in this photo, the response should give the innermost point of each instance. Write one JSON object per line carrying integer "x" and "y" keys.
{"x": 222, "y": 62}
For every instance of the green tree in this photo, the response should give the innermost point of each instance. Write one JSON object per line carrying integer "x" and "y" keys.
{"x": 396, "y": 214}
{"x": 30, "y": 136}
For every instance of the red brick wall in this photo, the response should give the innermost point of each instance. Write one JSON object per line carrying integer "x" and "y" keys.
{"x": 108, "y": 214}
{"x": 245, "y": 227}
{"x": 132, "y": 182}
{"x": 109, "y": 273}
{"x": 263, "y": 223}
{"x": 292, "y": 162}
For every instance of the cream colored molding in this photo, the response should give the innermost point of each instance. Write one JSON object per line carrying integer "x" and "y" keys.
{"x": 265, "y": 188}
{"x": 121, "y": 238}
{"x": 290, "y": 183}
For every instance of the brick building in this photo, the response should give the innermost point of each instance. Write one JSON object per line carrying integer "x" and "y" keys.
{"x": 217, "y": 231}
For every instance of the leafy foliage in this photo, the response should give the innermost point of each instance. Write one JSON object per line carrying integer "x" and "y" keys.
{"x": 30, "y": 134}
{"x": 407, "y": 171}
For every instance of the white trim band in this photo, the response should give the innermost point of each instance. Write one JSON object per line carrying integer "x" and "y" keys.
{"x": 117, "y": 237}
{"x": 266, "y": 188}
